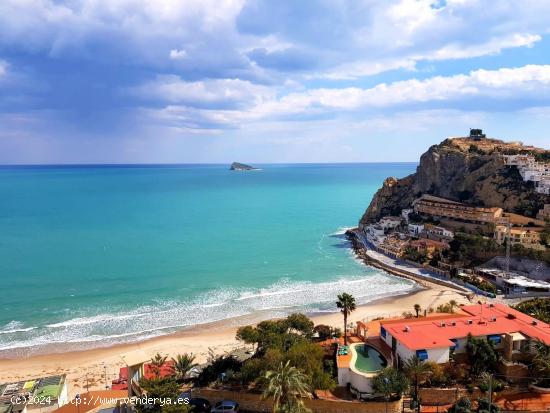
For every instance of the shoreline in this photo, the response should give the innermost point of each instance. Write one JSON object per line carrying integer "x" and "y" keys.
{"x": 88, "y": 368}
{"x": 95, "y": 368}
{"x": 360, "y": 251}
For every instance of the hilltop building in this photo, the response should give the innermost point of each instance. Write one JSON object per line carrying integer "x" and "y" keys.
{"x": 445, "y": 208}
{"x": 477, "y": 134}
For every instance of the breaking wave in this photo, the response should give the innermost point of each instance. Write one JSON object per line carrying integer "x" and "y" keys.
{"x": 276, "y": 300}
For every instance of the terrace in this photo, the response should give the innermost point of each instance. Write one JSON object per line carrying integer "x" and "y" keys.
{"x": 52, "y": 391}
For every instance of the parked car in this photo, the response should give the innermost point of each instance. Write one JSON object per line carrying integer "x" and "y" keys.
{"x": 200, "y": 405}
{"x": 225, "y": 406}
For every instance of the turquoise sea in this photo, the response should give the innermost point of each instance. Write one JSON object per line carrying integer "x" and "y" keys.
{"x": 96, "y": 255}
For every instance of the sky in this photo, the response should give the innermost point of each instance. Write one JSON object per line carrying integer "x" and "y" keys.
{"x": 210, "y": 81}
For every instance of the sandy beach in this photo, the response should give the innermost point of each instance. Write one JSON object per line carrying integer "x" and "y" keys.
{"x": 94, "y": 369}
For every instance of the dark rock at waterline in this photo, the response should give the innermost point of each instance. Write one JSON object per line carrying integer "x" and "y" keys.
{"x": 236, "y": 166}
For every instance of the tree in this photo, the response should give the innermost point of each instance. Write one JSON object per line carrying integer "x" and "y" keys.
{"x": 481, "y": 354}
{"x": 390, "y": 382}
{"x": 417, "y": 372}
{"x": 157, "y": 362}
{"x": 485, "y": 406}
{"x": 538, "y": 308}
{"x": 346, "y": 304}
{"x": 323, "y": 331}
{"x": 286, "y": 385}
{"x": 248, "y": 335}
{"x": 165, "y": 389}
{"x": 453, "y": 304}
{"x": 218, "y": 367}
{"x": 463, "y": 405}
{"x": 183, "y": 364}
{"x": 541, "y": 362}
{"x": 308, "y": 358}
{"x": 300, "y": 323}
{"x": 417, "y": 309}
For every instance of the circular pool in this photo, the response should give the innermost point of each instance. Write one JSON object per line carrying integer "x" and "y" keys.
{"x": 366, "y": 363}
{"x": 368, "y": 359}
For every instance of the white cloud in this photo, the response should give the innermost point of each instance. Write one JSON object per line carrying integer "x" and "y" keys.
{"x": 531, "y": 81}
{"x": 214, "y": 38}
{"x": 3, "y": 68}
{"x": 173, "y": 89}
{"x": 176, "y": 54}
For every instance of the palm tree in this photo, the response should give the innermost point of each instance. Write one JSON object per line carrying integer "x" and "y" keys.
{"x": 183, "y": 364}
{"x": 417, "y": 371}
{"x": 157, "y": 362}
{"x": 286, "y": 385}
{"x": 390, "y": 382}
{"x": 417, "y": 309}
{"x": 453, "y": 304}
{"x": 346, "y": 304}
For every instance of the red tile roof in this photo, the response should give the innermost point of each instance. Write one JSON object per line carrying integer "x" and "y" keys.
{"x": 166, "y": 370}
{"x": 487, "y": 319}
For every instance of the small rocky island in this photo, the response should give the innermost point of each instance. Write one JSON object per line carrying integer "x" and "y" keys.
{"x": 236, "y": 166}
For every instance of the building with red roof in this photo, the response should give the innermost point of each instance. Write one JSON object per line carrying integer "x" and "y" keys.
{"x": 435, "y": 339}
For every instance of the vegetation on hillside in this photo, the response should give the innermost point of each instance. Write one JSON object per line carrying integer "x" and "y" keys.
{"x": 278, "y": 342}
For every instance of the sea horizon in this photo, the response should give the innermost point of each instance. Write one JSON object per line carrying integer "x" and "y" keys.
{"x": 199, "y": 164}
{"x": 98, "y": 256}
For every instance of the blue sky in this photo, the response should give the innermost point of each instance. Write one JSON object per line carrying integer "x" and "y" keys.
{"x": 176, "y": 81}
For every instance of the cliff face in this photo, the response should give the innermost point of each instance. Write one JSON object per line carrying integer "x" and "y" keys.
{"x": 462, "y": 170}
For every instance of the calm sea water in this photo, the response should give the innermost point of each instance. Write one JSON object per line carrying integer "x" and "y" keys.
{"x": 96, "y": 255}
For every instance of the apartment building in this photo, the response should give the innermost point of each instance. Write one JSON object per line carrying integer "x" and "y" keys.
{"x": 531, "y": 170}
{"x": 529, "y": 237}
{"x": 445, "y": 208}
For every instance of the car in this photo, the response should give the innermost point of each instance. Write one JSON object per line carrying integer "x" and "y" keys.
{"x": 200, "y": 405}
{"x": 225, "y": 406}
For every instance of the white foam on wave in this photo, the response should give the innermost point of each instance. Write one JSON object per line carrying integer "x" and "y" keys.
{"x": 15, "y": 327}
{"x": 341, "y": 230}
{"x": 280, "y": 298}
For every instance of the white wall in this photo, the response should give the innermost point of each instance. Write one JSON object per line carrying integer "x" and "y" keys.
{"x": 343, "y": 376}
{"x": 438, "y": 355}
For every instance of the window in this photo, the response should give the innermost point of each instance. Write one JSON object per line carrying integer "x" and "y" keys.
{"x": 495, "y": 338}
{"x": 422, "y": 354}
{"x": 383, "y": 332}
{"x": 455, "y": 346}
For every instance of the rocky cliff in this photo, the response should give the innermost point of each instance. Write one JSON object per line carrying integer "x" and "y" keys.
{"x": 464, "y": 170}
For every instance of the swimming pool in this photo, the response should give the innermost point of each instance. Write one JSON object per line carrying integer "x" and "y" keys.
{"x": 368, "y": 359}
